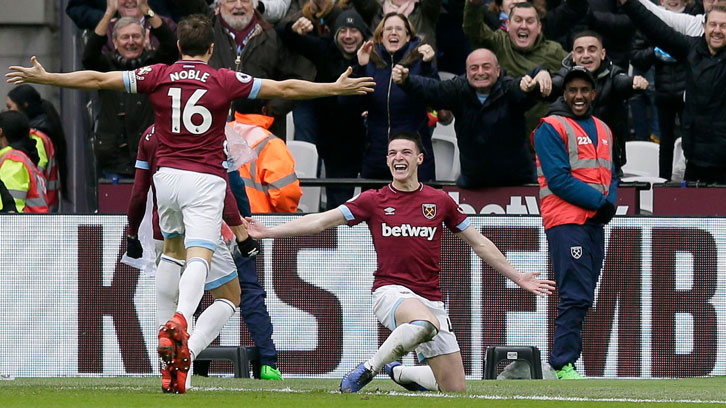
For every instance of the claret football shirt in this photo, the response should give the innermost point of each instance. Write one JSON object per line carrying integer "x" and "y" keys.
{"x": 191, "y": 101}
{"x": 406, "y": 230}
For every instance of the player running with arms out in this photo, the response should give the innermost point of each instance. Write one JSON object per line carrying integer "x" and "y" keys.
{"x": 405, "y": 220}
{"x": 221, "y": 280}
{"x": 190, "y": 101}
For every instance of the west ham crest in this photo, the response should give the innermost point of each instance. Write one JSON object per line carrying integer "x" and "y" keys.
{"x": 429, "y": 211}
{"x": 576, "y": 252}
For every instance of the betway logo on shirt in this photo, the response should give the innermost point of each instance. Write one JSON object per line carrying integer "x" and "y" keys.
{"x": 408, "y": 230}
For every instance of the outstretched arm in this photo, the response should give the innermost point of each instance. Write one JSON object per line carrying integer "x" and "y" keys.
{"x": 681, "y": 22}
{"x": 674, "y": 43}
{"x": 489, "y": 253}
{"x": 307, "y": 225}
{"x": 298, "y": 89}
{"x": 475, "y": 29}
{"x": 78, "y": 79}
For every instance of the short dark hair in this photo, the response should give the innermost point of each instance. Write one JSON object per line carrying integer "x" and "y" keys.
{"x": 15, "y": 126}
{"x": 588, "y": 33}
{"x": 16, "y": 129}
{"x": 720, "y": 6}
{"x": 412, "y": 136}
{"x": 525, "y": 5}
{"x": 195, "y": 35}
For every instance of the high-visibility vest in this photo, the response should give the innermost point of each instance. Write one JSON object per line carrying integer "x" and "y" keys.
{"x": 270, "y": 181}
{"x": 48, "y": 166}
{"x": 591, "y": 166}
{"x": 23, "y": 180}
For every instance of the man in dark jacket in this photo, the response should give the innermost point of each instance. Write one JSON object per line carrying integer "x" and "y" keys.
{"x": 340, "y": 130}
{"x": 704, "y": 115}
{"x": 122, "y": 116}
{"x": 245, "y": 42}
{"x": 670, "y": 86}
{"x": 520, "y": 49}
{"x": 490, "y": 126}
{"x": 614, "y": 86}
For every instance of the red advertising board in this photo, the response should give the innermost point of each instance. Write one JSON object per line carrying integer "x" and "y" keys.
{"x": 525, "y": 200}
{"x": 689, "y": 201}
{"x": 659, "y": 308}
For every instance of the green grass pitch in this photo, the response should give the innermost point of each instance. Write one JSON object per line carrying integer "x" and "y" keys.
{"x": 217, "y": 392}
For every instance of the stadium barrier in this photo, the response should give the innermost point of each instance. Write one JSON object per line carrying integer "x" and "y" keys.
{"x": 521, "y": 200}
{"x": 68, "y": 307}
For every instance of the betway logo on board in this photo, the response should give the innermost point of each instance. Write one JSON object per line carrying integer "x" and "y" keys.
{"x": 408, "y": 230}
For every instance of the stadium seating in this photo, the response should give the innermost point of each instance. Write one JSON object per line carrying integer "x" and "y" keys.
{"x": 306, "y": 166}
{"x": 289, "y": 127}
{"x": 642, "y": 165}
{"x": 443, "y": 75}
{"x": 446, "y": 152}
{"x": 642, "y": 159}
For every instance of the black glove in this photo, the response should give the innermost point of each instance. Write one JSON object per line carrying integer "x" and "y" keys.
{"x": 133, "y": 247}
{"x": 249, "y": 247}
{"x": 604, "y": 214}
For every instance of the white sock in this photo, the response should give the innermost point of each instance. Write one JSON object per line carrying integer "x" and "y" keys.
{"x": 191, "y": 287}
{"x": 421, "y": 375}
{"x": 209, "y": 324}
{"x": 402, "y": 340}
{"x": 188, "y": 383}
{"x": 167, "y": 288}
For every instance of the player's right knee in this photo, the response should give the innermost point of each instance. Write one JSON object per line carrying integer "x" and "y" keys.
{"x": 425, "y": 330}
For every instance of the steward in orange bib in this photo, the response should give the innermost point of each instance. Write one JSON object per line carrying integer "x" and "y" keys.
{"x": 18, "y": 159}
{"x": 48, "y": 166}
{"x": 270, "y": 180}
{"x": 577, "y": 197}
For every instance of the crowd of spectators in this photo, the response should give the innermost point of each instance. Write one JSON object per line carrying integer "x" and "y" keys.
{"x": 497, "y": 95}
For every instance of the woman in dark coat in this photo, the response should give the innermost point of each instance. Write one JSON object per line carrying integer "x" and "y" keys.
{"x": 389, "y": 108}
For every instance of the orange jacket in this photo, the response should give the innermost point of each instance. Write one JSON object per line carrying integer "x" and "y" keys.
{"x": 594, "y": 167}
{"x": 270, "y": 180}
{"x": 50, "y": 171}
{"x": 30, "y": 197}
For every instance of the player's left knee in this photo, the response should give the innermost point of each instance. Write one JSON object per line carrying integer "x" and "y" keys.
{"x": 429, "y": 330}
{"x": 229, "y": 303}
{"x": 229, "y": 292}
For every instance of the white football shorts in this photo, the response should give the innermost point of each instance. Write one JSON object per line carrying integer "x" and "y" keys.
{"x": 385, "y": 301}
{"x": 190, "y": 204}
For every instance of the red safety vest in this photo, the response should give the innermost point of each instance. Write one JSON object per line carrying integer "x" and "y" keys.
{"x": 50, "y": 171}
{"x": 35, "y": 197}
{"x": 593, "y": 167}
